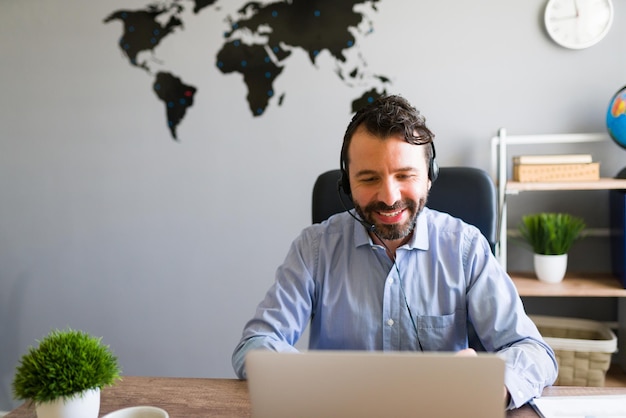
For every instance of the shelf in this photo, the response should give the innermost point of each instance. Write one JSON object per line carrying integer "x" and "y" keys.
{"x": 573, "y": 285}
{"x": 514, "y": 187}
{"x": 499, "y": 167}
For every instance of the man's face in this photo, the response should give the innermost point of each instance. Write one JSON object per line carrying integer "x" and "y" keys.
{"x": 389, "y": 182}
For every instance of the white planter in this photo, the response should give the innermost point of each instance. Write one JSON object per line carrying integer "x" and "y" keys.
{"x": 550, "y": 268}
{"x": 85, "y": 405}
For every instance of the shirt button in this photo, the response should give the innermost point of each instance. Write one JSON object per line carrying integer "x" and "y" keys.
{"x": 390, "y": 281}
{"x": 390, "y": 322}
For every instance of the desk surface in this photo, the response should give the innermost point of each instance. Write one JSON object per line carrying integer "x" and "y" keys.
{"x": 226, "y": 398}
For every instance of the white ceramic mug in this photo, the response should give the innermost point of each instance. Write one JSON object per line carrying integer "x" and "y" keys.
{"x": 138, "y": 412}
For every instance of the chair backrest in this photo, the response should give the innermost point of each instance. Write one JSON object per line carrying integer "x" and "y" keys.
{"x": 464, "y": 192}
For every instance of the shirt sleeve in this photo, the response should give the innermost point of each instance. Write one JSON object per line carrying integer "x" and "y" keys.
{"x": 497, "y": 314}
{"x": 283, "y": 315}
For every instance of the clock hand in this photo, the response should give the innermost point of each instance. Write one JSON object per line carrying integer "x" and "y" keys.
{"x": 556, "y": 19}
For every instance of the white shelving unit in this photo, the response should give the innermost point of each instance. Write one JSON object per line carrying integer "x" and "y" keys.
{"x": 574, "y": 285}
{"x": 499, "y": 169}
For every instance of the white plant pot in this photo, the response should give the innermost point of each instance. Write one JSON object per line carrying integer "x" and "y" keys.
{"x": 550, "y": 268}
{"x": 85, "y": 405}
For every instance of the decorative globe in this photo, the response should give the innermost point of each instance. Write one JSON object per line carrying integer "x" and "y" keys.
{"x": 616, "y": 117}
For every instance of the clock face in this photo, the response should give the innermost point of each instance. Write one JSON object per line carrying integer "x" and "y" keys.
{"x": 578, "y": 24}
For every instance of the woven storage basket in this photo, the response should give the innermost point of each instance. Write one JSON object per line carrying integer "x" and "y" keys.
{"x": 583, "y": 348}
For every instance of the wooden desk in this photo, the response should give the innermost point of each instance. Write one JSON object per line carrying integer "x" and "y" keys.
{"x": 226, "y": 398}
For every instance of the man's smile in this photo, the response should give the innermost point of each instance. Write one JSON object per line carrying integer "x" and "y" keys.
{"x": 390, "y": 216}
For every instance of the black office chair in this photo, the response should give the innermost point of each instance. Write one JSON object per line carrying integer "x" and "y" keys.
{"x": 464, "y": 192}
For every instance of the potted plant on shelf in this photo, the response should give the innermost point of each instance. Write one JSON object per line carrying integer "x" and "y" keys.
{"x": 63, "y": 376}
{"x": 551, "y": 235}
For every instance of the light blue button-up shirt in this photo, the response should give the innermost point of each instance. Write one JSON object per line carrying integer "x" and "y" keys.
{"x": 348, "y": 290}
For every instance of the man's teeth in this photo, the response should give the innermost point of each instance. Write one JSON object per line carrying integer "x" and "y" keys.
{"x": 392, "y": 214}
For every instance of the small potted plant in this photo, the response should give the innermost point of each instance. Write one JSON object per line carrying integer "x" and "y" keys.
{"x": 66, "y": 373}
{"x": 551, "y": 235}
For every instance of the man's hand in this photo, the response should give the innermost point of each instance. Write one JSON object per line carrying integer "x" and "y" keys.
{"x": 470, "y": 352}
{"x": 467, "y": 352}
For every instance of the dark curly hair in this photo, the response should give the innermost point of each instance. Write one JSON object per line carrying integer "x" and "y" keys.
{"x": 389, "y": 116}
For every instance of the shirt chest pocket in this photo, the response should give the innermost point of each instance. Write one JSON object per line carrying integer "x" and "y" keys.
{"x": 442, "y": 332}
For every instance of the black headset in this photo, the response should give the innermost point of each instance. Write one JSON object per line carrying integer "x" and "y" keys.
{"x": 344, "y": 182}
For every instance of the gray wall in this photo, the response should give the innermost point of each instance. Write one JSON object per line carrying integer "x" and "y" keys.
{"x": 163, "y": 248}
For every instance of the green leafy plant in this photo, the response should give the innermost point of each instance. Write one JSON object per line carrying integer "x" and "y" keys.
{"x": 551, "y": 233}
{"x": 65, "y": 364}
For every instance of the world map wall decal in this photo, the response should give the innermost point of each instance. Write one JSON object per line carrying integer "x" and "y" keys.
{"x": 258, "y": 42}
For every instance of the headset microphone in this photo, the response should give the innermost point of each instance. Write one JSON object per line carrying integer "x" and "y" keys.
{"x": 370, "y": 227}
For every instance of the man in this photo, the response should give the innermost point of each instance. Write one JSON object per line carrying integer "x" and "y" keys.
{"x": 393, "y": 274}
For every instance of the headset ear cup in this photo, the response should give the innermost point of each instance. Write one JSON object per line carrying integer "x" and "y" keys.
{"x": 433, "y": 170}
{"x": 433, "y": 167}
{"x": 345, "y": 183}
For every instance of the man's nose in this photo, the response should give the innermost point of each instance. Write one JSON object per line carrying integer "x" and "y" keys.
{"x": 389, "y": 192}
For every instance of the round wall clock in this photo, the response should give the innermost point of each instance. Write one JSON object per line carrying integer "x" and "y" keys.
{"x": 578, "y": 24}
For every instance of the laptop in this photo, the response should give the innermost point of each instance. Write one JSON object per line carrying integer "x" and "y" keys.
{"x": 366, "y": 384}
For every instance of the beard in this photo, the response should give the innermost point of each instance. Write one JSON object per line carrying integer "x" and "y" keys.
{"x": 392, "y": 232}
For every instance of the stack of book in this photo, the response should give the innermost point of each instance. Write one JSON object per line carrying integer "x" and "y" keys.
{"x": 564, "y": 167}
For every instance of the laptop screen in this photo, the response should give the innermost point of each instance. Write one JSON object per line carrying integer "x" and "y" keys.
{"x": 366, "y": 384}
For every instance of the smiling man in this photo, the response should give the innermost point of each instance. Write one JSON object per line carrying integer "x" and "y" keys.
{"x": 394, "y": 275}
{"x": 389, "y": 183}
